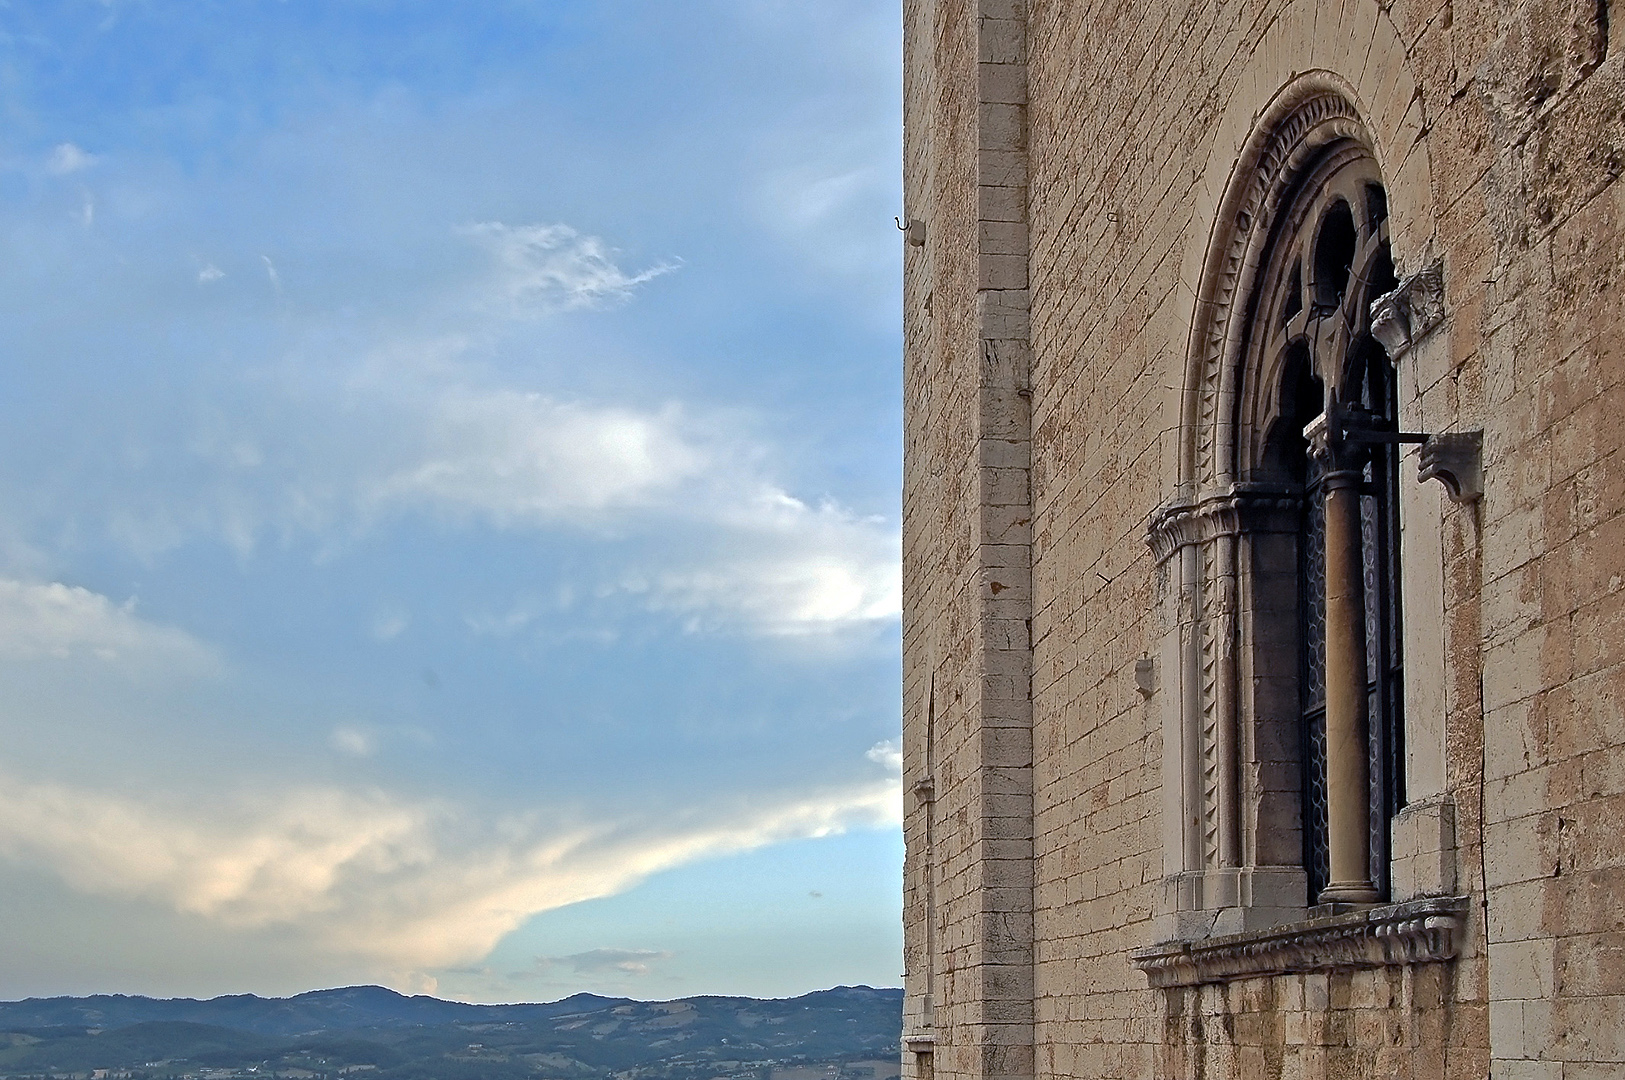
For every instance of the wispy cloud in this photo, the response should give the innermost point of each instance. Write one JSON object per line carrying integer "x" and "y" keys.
{"x": 602, "y": 961}
{"x": 67, "y": 158}
{"x": 542, "y": 269}
{"x": 421, "y": 442}
{"x": 788, "y": 568}
{"x": 523, "y": 457}
{"x": 352, "y": 740}
{"x": 389, "y": 624}
{"x": 774, "y": 562}
{"x": 411, "y": 886}
{"x": 39, "y": 620}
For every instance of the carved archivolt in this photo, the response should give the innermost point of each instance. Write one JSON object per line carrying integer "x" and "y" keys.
{"x": 1312, "y": 114}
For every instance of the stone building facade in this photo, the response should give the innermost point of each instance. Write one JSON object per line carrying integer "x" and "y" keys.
{"x": 1264, "y": 562}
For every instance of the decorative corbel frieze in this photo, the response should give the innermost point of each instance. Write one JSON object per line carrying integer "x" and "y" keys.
{"x": 1417, "y": 932}
{"x": 1401, "y": 318}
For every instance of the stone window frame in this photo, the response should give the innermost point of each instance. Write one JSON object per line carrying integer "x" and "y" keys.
{"x": 1232, "y": 877}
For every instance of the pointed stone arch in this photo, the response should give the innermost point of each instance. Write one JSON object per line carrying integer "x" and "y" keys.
{"x": 1227, "y": 545}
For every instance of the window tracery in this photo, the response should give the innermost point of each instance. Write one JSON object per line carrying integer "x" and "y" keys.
{"x": 1313, "y": 334}
{"x": 1281, "y": 467}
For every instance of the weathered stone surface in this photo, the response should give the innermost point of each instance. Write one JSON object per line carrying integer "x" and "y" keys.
{"x": 1076, "y": 166}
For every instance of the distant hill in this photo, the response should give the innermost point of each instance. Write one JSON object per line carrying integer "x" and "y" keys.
{"x": 848, "y": 1033}
{"x": 319, "y": 1010}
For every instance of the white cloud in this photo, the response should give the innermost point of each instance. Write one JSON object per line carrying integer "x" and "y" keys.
{"x": 67, "y": 158}
{"x": 888, "y": 754}
{"x": 791, "y": 568}
{"x": 412, "y": 887}
{"x": 67, "y": 621}
{"x": 523, "y": 457}
{"x": 245, "y": 866}
{"x": 711, "y": 538}
{"x": 209, "y": 273}
{"x": 548, "y": 268}
{"x": 773, "y": 563}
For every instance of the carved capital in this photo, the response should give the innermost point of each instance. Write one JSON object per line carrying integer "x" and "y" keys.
{"x": 1230, "y": 513}
{"x": 1401, "y": 318}
{"x": 1418, "y": 932}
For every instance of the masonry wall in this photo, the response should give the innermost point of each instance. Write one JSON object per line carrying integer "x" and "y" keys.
{"x": 1502, "y": 139}
{"x": 966, "y": 524}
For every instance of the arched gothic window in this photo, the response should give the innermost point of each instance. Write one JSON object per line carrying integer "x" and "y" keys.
{"x": 1278, "y": 555}
{"x": 1311, "y": 326}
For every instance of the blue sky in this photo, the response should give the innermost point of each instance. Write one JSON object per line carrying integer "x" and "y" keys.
{"x": 449, "y": 460}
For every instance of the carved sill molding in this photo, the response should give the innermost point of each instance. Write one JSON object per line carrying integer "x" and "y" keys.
{"x": 1416, "y": 932}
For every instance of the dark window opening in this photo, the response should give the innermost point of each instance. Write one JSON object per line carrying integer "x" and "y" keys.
{"x": 1334, "y": 255}
{"x": 1294, "y": 294}
{"x": 1376, "y": 207}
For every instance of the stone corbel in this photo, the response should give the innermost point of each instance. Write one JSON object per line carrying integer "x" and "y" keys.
{"x": 1456, "y": 460}
{"x": 1401, "y": 318}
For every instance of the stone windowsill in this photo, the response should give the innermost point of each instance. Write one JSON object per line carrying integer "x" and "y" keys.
{"x": 1415, "y": 932}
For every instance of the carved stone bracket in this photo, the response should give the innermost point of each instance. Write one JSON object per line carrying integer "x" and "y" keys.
{"x": 1456, "y": 460}
{"x": 1417, "y": 932}
{"x": 1401, "y": 318}
{"x": 1229, "y": 513}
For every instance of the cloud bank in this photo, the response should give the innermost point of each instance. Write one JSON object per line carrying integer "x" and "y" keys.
{"x": 407, "y": 886}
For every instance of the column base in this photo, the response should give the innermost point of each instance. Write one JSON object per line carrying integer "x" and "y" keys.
{"x": 1229, "y": 900}
{"x": 1349, "y": 892}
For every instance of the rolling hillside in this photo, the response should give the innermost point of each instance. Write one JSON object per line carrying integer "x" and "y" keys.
{"x": 848, "y": 1033}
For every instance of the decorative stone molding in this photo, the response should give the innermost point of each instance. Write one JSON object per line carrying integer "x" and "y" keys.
{"x": 1231, "y": 513}
{"x": 1418, "y": 932}
{"x": 1401, "y": 318}
{"x": 920, "y": 1042}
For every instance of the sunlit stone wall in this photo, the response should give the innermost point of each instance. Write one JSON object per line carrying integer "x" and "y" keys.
{"x": 1070, "y": 159}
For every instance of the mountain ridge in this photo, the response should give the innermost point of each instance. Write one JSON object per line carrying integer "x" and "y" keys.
{"x": 843, "y": 1033}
